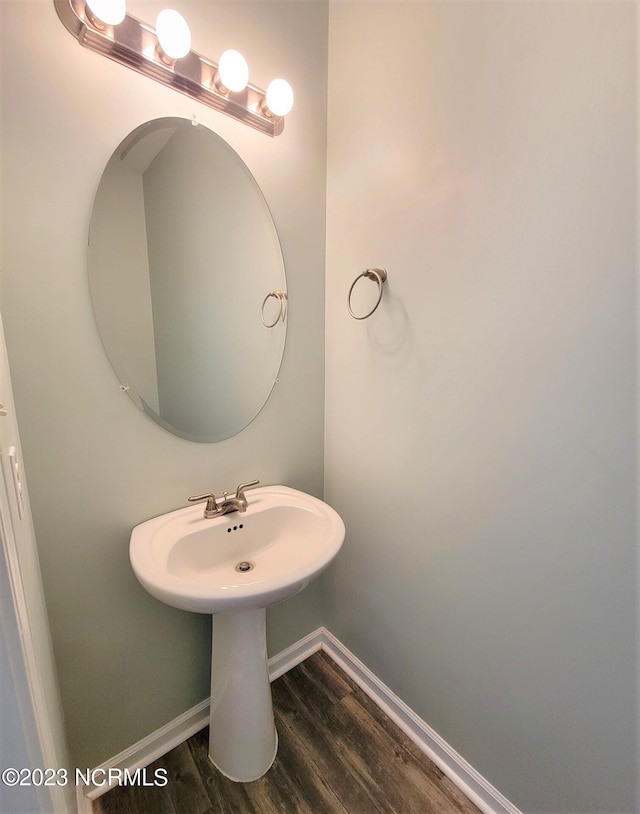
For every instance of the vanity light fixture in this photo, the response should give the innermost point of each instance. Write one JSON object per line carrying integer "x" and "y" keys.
{"x": 165, "y": 54}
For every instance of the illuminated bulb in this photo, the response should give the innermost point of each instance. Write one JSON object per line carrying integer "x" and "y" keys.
{"x": 106, "y": 12}
{"x": 233, "y": 71}
{"x": 173, "y": 34}
{"x": 279, "y": 97}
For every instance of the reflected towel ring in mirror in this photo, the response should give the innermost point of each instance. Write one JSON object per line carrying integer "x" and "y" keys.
{"x": 281, "y": 296}
{"x": 380, "y": 276}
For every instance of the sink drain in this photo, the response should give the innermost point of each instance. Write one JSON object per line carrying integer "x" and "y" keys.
{"x": 245, "y": 565}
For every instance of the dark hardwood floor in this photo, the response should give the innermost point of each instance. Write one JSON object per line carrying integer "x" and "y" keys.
{"x": 338, "y": 753}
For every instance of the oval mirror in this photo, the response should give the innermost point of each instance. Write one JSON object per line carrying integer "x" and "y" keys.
{"x": 187, "y": 280}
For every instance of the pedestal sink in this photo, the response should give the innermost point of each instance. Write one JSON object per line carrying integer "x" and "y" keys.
{"x": 233, "y": 566}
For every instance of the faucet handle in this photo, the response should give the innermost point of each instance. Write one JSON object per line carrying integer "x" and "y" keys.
{"x": 198, "y": 498}
{"x": 212, "y": 506}
{"x": 243, "y": 486}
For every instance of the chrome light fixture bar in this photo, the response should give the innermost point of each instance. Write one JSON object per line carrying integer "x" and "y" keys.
{"x": 135, "y": 44}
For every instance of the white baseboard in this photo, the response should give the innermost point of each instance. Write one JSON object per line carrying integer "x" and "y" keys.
{"x": 147, "y": 750}
{"x": 299, "y": 651}
{"x": 465, "y": 777}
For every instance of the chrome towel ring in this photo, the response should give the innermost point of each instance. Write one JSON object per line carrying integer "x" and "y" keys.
{"x": 380, "y": 276}
{"x": 281, "y": 296}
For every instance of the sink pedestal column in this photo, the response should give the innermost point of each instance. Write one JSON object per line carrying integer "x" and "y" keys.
{"x": 242, "y": 733}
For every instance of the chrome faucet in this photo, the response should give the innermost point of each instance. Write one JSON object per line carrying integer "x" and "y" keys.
{"x": 227, "y": 504}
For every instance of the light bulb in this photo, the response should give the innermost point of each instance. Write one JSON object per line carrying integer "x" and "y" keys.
{"x": 107, "y": 12}
{"x": 173, "y": 34}
{"x": 233, "y": 70}
{"x": 279, "y": 97}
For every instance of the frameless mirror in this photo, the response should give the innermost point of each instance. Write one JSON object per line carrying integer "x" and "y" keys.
{"x": 187, "y": 280}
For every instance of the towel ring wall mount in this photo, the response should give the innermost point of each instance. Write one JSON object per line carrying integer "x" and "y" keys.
{"x": 379, "y": 276}
{"x": 281, "y": 297}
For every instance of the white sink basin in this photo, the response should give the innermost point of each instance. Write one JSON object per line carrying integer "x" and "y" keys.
{"x": 185, "y": 560}
{"x": 190, "y": 562}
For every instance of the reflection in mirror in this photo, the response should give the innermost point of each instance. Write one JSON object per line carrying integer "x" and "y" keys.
{"x": 183, "y": 255}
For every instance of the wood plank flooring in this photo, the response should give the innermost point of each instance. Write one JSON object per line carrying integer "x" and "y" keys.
{"x": 338, "y": 753}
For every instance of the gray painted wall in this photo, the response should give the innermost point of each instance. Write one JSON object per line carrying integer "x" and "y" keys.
{"x": 95, "y": 465}
{"x": 480, "y": 426}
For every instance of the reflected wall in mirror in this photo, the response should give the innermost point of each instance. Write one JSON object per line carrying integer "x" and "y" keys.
{"x": 183, "y": 254}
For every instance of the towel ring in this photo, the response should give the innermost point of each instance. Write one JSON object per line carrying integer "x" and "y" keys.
{"x": 380, "y": 276}
{"x": 281, "y": 296}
